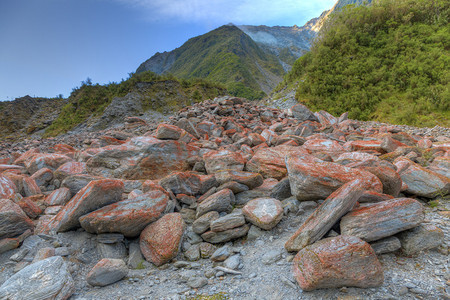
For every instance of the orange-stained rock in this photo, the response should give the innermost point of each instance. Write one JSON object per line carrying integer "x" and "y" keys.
{"x": 326, "y": 215}
{"x": 59, "y": 197}
{"x": 421, "y": 181}
{"x": 375, "y": 221}
{"x": 364, "y": 146}
{"x": 142, "y": 157}
{"x": 223, "y": 160}
{"x": 270, "y": 162}
{"x": 8, "y": 244}
{"x": 30, "y": 187}
{"x": 425, "y": 144}
{"x": 27, "y": 155}
{"x": 168, "y": 132}
{"x": 128, "y": 217}
{"x": 4, "y": 168}
{"x": 13, "y": 221}
{"x": 7, "y": 187}
{"x": 371, "y": 197}
{"x": 43, "y": 176}
{"x": 221, "y": 201}
{"x": 389, "y": 144}
{"x": 50, "y": 161}
{"x": 63, "y": 149}
{"x": 70, "y": 168}
{"x": 352, "y": 157}
{"x": 323, "y": 145}
{"x": 391, "y": 180}
{"x": 265, "y": 213}
{"x": 314, "y": 179}
{"x": 31, "y": 209}
{"x": 252, "y": 180}
{"x": 188, "y": 183}
{"x": 337, "y": 262}
{"x": 160, "y": 240}
{"x": 95, "y": 195}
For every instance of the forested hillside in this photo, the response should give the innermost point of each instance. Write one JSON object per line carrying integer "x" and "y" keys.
{"x": 387, "y": 61}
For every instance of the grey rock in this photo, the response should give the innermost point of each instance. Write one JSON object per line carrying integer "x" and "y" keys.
{"x": 372, "y": 222}
{"x": 202, "y": 223}
{"x": 45, "y": 279}
{"x": 234, "y": 186}
{"x": 107, "y": 271}
{"x": 135, "y": 257}
{"x": 192, "y": 237}
{"x": 271, "y": 256}
{"x": 281, "y": 190}
{"x": 110, "y": 238}
{"x": 116, "y": 250}
{"x": 193, "y": 253}
{"x": 254, "y": 233}
{"x": 386, "y": 245}
{"x": 221, "y": 202}
{"x": 423, "y": 237}
{"x": 221, "y": 254}
{"x": 244, "y": 197}
{"x": 227, "y": 222}
{"x": 302, "y": 113}
{"x": 225, "y": 236}
{"x": 13, "y": 221}
{"x": 197, "y": 282}
{"x": 232, "y": 262}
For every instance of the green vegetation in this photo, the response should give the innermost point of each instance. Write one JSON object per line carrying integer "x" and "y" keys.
{"x": 163, "y": 93}
{"x": 387, "y": 61}
{"x": 228, "y": 56}
{"x": 218, "y": 296}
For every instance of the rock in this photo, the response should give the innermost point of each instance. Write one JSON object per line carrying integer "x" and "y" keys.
{"x": 193, "y": 253}
{"x": 221, "y": 254}
{"x": 202, "y": 224}
{"x": 69, "y": 169}
{"x": 223, "y": 160}
{"x": 30, "y": 207}
{"x": 232, "y": 262}
{"x": 244, "y": 197}
{"x": 229, "y": 221}
{"x": 110, "y": 238}
{"x": 207, "y": 250}
{"x": 271, "y": 256}
{"x": 168, "y": 132}
{"x": 265, "y": 213}
{"x": 197, "y": 282}
{"x": 421, "y": 181}
{"x": 59, "y": 197}
{"x": 43, "y": 176}
{"x": 128, "y": 217}
{"x": 135, "y": 257}
{"x": 160, "y": 240}
{"x": 375, "y": 221}
{"x": 371, "y": 197}
{"x": 76, "y": 182}
{"x": 187, "y": 183}
{"x": 96, "y": 194}
{"x": 387, "y": 245}
{"x": 391, "y": 180}
{"x": 114, "y": 250}
{"x": 270, "y": 162}
{"x": 254, "y": 233}
{"x": 106, "y": 272}
{"x": 221, "y": 201}
{"x": 322, "y": 220}
{"x": 49, "y": 161}
{"x": 234, "y": 186}
{"x": 281, "y": 190}
{"x": 142, "y": 157}
{"x": 252, "y": 180}
{"x": 45, "y": 279}
{"x": 337, "y": 262}
{"x": 7, "y": 188}
{"x": 8, "y": 244}
{"x": 225, "y": 236}
{"x": 302, "y": 113}
{"x": 313, "y": 179}
{"x": 328, "y": 146}
{"x": 421, "y": 238}
{"x": 13, "y": 221}
{"x": 30, "y": 188}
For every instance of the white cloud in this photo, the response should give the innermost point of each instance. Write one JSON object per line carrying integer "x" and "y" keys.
{"x": 252, "y": 12}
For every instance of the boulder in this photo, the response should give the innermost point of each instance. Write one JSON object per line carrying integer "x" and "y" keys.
{"x": 317, "y": 145}
{"x": 337, "y": 262}
{"x": 95, "y": 195}
{"x": 223, "y": 160}
{"x": 59, "y": 197}
{"x": 221, "y": 201}
{"x": 49, "y": 161}
{"x": 387, "y": 245}
{"x": 128, "y": 217}
{"x": 187, "y": 183}
{"x": 13, "y": 221}
{"x": 106, "y": 272}
{"x": 168, "y": 132}
{"x": 160, "y": 240}
{"x": 76, "y": 182}
{"x": 313, "y": 179}
{"x": 43, "y": 176}
{"x": 252, "y": 180}
{"x": 265, "y": 213}
{"x": 374, "y": 221}
{"x": 30, "y": 188}
{"x": 421, "y": 238}
{"x": 225, "y": 236}
{"x": 202, "y": 224}
{"x": 281, "y": 190}
{"x": 7, "y": 188}
{"x": 421, "y": 181}
{"x": 230, "y": 221}
{"x": 46, "y": 279}
{"x": 302, "y": 113}
{"x": 70, "y": 168}
{"x": 323, "y": 218}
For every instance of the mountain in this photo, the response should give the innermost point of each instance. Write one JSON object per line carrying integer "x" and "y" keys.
{"x": 387, "y": 61}
{"x": 226, "y": 55}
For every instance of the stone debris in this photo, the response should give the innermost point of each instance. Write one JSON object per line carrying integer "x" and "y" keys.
{"x": 212, "y": 179}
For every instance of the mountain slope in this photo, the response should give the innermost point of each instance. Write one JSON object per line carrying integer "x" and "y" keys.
{"x": 226, "y": 55}
{"x": 387, "y": 61}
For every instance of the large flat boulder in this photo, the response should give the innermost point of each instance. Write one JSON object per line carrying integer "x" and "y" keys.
{"x": 96, "y": 194}
{"x": 128, "y": 217}
{"x": 337, "y": 262}
{"x": 375, "y": 221}
{"x": 323, "y": 218}
{"x": 223, "y": 160}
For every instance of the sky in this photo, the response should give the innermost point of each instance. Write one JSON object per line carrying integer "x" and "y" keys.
{"x": 47, "y": 47}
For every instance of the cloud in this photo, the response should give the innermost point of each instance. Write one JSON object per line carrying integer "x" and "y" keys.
{"x": 236, "y": 11}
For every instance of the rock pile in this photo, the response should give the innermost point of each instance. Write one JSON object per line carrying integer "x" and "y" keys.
{"x": 219, "y": 171}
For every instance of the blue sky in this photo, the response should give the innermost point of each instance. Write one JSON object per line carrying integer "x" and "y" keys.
{"x": 47, "y": 47}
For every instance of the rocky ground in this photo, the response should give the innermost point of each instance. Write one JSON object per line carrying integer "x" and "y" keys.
{"x": 228, "y": 200}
